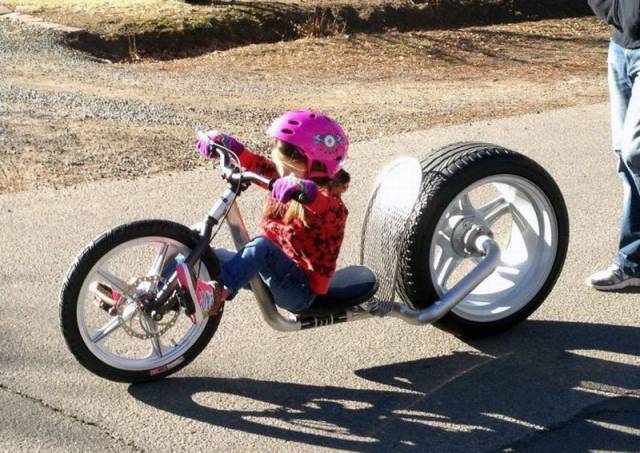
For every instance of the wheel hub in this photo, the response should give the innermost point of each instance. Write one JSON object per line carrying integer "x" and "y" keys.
{"x": 145, "y": 289}
{"x": 465, "y": 233}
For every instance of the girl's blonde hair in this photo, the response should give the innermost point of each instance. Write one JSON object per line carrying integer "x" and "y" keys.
{"x": 289, "y": 155}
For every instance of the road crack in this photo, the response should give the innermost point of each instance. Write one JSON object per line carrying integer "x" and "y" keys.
{"x": 72, "y": 417}
{"x": 423, "y": 396}
{"x": 591, "y": 410}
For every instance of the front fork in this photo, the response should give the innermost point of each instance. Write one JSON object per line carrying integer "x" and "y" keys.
{"x": 157, "y": 307}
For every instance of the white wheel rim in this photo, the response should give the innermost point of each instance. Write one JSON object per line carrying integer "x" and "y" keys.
{"x": 159, "y": 354}
{"x": 528, "y": 249}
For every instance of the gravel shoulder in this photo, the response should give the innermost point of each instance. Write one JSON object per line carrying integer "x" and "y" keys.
{"x": 67, "y": 119}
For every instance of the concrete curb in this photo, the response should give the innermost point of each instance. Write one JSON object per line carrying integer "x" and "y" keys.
{"x": 66, "y": 33}
{"x": 7, "y": 14}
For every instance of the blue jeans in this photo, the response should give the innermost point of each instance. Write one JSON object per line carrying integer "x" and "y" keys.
{"x": 624, "y": 67}
{"x": 287, "y": 282}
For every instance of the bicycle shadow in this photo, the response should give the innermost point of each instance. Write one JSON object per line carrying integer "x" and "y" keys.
{"x": 516, "y": 384}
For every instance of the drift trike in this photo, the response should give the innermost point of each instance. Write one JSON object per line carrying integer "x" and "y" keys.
{"x": 471, "y": 238}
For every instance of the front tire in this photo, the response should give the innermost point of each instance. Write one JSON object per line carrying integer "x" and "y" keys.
{"x": 119, "y": 356}
{"x": 534, "y": 245}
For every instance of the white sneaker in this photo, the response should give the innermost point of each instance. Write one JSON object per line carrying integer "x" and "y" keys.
{"x": 612, "y": 278}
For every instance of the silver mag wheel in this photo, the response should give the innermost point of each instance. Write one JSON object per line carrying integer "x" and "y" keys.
{"x": 100, "y": 311}
{"x": 469, "y": 186}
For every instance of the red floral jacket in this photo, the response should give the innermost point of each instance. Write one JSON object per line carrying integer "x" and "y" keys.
{"x": 315, "y": 247}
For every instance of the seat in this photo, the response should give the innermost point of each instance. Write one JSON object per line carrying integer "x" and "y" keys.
{"x": 349, "y": 287}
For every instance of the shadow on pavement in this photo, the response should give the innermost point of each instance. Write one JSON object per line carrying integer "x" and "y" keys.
{"x": 516, "y": 385}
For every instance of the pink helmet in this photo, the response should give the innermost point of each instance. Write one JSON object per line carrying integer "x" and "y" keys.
{"x": 320, "y": 139}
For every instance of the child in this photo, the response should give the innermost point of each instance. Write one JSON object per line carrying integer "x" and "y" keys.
{"x": 304, "y": 217}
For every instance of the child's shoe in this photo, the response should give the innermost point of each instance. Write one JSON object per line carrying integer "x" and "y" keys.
{"x": 209, "y": 295}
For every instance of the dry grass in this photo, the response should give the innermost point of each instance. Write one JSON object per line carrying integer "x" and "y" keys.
{"x": 110, "y": 17}
{"x": 528, "y": 50}
{"x": 117, "y": 16}
{"x": 322, "y": 23}
{"x": 113, "y": 16}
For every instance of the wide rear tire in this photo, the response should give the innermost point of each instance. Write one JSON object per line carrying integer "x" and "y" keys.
{"x": 537, "y": 208}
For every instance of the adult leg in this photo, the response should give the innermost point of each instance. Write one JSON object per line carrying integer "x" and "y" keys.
{"x": 620, "y": 92}
{"x": 629, "y": 168}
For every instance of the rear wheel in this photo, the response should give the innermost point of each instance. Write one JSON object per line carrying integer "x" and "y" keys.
{"x": 119, "y": 341}
{"x": 502, "y": 191}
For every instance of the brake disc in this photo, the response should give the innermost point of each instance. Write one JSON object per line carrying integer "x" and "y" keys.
{"x": 139, "y": 329}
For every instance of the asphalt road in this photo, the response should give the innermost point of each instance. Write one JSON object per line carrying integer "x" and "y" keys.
{"x": 567, "y": 379}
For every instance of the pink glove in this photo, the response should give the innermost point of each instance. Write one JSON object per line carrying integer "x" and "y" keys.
{"x": 221, "y": 138}
{"x": 290, "y": 187}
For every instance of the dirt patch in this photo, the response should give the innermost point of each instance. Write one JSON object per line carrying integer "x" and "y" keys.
{"x": 124, "y": 121}
{"x": 151, "y": 29}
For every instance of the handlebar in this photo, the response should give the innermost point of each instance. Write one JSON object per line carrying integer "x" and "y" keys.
{"x": 232, "y": 173}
